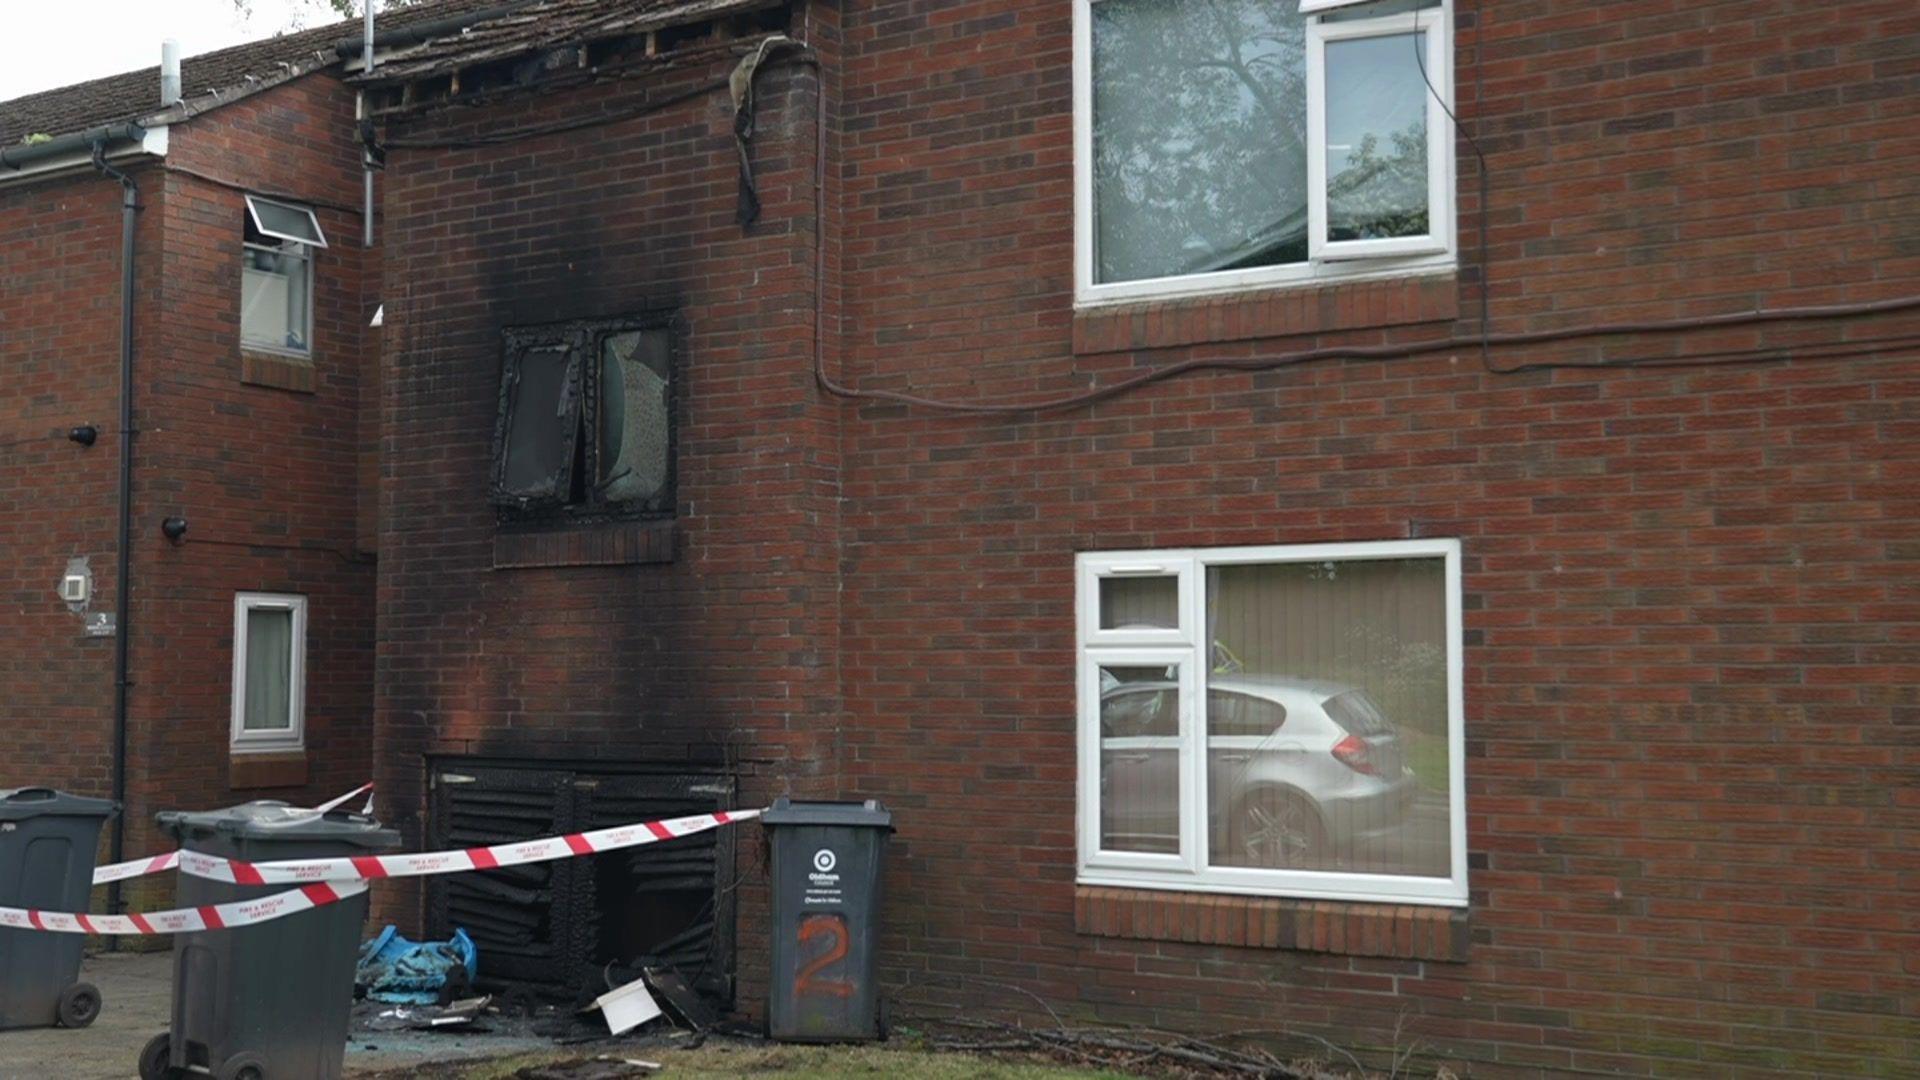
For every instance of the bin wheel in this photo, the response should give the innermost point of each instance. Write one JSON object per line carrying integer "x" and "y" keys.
{"x": 242, "y": 1067}
{"x": 79, "y": 1005}
{"x": 156, "y": 1058}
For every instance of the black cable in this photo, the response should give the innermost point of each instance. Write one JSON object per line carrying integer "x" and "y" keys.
{"x": 1486, "y": 209}
{"x": 59, "y": 437}
{"x": 1423, "y": 348}
{"x": 516, "y": 134}
{"x": 350, "y": 559}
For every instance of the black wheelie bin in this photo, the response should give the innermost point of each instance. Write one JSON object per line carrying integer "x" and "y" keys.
{"x": 826, "y": 866}
{"x": 48, "y": 840}
{"x": 272, "y": 1001}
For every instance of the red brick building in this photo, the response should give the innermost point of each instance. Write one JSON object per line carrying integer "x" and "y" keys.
{"x": 1289, "y": 563}
{"x": 1552, "y": 667}
{"x": 252, "y": 390}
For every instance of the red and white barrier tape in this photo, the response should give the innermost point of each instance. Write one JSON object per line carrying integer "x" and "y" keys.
{"x": 335, "y": 802}
{"x": 154, "y": 864}
{"x": 324, "y": 881}
{"x": 453, "y": 861}
{"x": 185, "y": 920}
{"x": 121, "y": 871}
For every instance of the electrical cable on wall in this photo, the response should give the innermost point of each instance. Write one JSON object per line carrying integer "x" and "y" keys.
{"x": 351, "y": 559}
{"x": 1484, "y": 341}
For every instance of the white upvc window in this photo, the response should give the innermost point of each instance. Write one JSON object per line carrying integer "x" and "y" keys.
{"x": 1247, "y": 144}
{"x": 276, "y": 276}
{"x": 1275, "y": 721}
{"x": 1375, "y": 131}
{"x": 269, "y": 672}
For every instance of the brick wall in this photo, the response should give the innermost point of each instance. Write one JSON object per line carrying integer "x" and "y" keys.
{"x": 267, "y": 477}
{"x": 1690, "y": 635}
{"x": 59, "y": 345}
{"x": 1691, "y": 652}
{"x": 708, "y": 635}
{"x": 261, "y": 455}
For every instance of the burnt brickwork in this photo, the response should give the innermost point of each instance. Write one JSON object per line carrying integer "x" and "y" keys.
{"x": 1690, "y": 617}
{"x": 710, "y": 636}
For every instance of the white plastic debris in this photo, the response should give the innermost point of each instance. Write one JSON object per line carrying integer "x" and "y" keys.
{"x": 628, "y": 1007}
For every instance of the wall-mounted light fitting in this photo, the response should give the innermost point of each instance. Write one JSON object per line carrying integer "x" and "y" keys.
{"x": 85, "y": 434}
{"x": 174, "y": 528}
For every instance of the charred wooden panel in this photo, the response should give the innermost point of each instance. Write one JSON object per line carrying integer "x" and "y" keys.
{"x": 554, "y": 927}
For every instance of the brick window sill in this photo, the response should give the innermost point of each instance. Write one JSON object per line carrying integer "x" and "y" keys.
{"x": 1403, "y": 931}
{"x": 623, "y": 544}
{"x": 277, "y": 372}
{"x": 1267, "y": 313}
{"x": 276, "y": 769}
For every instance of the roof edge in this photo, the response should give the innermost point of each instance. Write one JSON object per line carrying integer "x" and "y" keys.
{"x": 19, "y": 158}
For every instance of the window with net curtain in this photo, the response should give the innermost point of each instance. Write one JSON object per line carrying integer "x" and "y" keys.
{"x": 1247, "y": 140}
{"x": 269, "y": 671}
{"x": 1278, "y": 721}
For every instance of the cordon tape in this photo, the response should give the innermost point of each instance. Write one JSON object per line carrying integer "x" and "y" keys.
{"x": 134, "y": 868}
{"x": 324, "y": 881}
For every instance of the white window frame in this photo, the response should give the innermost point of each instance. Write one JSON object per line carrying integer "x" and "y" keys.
{"x": 254, "y": 202}
{"x": 1153, "y": 863}
{"x": 1339, "y": 265}
{"x": 292, "y": 737}
{"x": 1439, "y": 71}
{"x": 1188, "y": 870}
{"x": 293, "y": 247}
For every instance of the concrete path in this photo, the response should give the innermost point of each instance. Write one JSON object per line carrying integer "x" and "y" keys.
{"x": 136, "y": 992}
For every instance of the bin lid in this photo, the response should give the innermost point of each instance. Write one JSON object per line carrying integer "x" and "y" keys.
{"x": 270, "y": 819}
{"x": 869, "y": 814}
{"x": 18, "y": 804}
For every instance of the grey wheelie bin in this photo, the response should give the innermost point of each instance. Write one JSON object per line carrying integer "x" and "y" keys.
{"x": 271, "y": 1001}
{"x": 48, "y": 840}
{"x": 826, "y": 919}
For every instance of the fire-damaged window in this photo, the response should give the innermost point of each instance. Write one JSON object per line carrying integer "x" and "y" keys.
{"x": 585, "y": 428}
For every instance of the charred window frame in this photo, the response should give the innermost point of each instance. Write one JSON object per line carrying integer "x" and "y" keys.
{"x": 585, "y": 429}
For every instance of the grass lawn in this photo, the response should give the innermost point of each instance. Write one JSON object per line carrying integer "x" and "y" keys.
{"x": 720, "y": 1059}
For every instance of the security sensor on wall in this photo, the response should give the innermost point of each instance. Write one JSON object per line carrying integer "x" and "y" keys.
{"x": 76, "y": 585}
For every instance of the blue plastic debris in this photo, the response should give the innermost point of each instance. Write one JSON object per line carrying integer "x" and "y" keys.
{"x": 394, "y": 969}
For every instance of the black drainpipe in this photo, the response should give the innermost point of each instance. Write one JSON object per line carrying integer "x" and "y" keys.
{"x": 15, "y": 158}
{"x": 122, "y": 605}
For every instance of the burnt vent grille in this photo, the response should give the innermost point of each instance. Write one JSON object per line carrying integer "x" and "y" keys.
{"x": 554, "y": 927}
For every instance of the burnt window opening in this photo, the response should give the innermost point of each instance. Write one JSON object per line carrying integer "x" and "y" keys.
{"x": 585, "y": 427}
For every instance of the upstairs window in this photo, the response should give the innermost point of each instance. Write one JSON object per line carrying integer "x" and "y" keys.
{"x": 1248, "y": 143}
{"x": 585, "y": 427}
{"x": 276, "y": 276}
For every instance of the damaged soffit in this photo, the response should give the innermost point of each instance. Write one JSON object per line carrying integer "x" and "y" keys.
{"x": 543, "y": 26}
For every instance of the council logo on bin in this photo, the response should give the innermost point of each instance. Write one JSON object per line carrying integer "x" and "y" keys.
{"x": 825, "y": 860}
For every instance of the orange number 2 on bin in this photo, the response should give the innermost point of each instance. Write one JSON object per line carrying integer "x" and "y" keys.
{"x": 815, "y": 926}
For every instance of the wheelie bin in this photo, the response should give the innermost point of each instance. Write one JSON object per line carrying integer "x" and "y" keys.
{"x": 48, "y": 840}
{"x": 826, "y": 919}
{"x": 272, "y": 1001}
